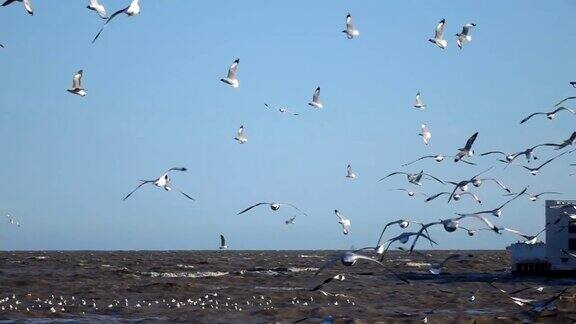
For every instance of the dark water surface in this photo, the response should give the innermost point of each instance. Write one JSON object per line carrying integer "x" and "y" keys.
{"x": 264, "y": 286}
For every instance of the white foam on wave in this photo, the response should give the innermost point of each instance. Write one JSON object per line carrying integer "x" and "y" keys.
{"x": 418, "y": 264}
{"x": 197, "y": 274}
{"x": 296, "y": 269}
{"x": 310, "y": 256}
{"x": 279, "y": 288}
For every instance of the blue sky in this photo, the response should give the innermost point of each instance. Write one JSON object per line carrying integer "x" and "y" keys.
{"x": 154, "y": 101}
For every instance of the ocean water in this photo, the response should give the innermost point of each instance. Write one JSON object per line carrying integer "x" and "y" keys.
{"x": 266, "y": 286}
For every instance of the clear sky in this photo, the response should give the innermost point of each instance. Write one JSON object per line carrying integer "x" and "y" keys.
{"x": 155, "y": 101}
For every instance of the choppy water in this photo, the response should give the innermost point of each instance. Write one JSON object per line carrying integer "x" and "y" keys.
{"x": 258, "y": 286}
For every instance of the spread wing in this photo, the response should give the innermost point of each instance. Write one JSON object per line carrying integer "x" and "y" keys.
{"x": 439, "y": 33}
{"x": 316, "y": 95}
{"x": 253, "y": 206}
{"x": 77, "y": 80}
{"x": 222, "y": 240}
{"x": 232, "y": 70}
{"x": 470, "y": 141}
{"x": 138, "y": 187}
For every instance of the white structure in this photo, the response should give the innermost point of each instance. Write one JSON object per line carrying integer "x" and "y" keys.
{"x": 548, "y": 258}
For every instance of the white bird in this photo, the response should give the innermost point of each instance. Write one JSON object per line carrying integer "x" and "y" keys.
{"x": 223, "y": 245}
{"x": 345, "y": 222}
{"x": 436, "y": 267}
{"x": 162, "y": 182}
{"x": 455, "y": 196}
{"x": 438, "y": 158}
{"x": 231, "y": 78}
{"x": 350, "y": 173}
{"x": 27, "y": 5}
{"x": 426, "y": 134}
{"x": 535, "y": 171}
{"x": 316, "y": 103}
{"x": 535, "y": 197}
{"x": 439, "y": 35}
{"x": 132, "y": 10}
{"x": 349, "y": 259}
{"x": 529, "y": 239}
{"x": 97, "y": 7}
{"x": 536, "y": 306}
{"x": 241, "y": 136}
{"x": 283, "y": 110}
{"x": 464, "y": 36}
{"x": 467, "y": 150}
{"x": 498, "y": 210}
{"x": 419, "y": 104}
{"x": 273, "y": 205}
{"x": 414, "y": 178}
{"x": 77, "y": 88}
{"x": 12, "y": 221}
{"x": 290, "y": 221}
{"x": 410, "y": 193}
{"x": 350, "y": 31}
{"x": 550, "y": 115}
{"x": 403, "y": 223}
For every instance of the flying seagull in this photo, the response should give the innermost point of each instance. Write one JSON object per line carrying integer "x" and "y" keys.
{"x": 438, "y": 158}
{"x": 464, "y": 36}
{"x": 316, "y": 103}
{"x": 350, "y": 31}
{"x": 290, "y": 221}
{"x": 456, "y": 196}
{"x": 77, "y": 85}
{"x": 350, "y": 173}
{"x": 403, "y": 223}
{"x": 496, "y": 211}
{"x": 436, "y": 267}
{"x": 273, "y": 205}
{"x": 241, "y": 136}
{"x": 530, "y": 239}
{"x": 418, "y": 104}
{"x": 162, "y": 182}
{"x": 98, "y": 8}
{"x": 535, "y": 171}
{"x": 414, "y": 178}
{"x": 338, "y": 277}
{"x": 223, "y": 245}
{"x": 283, "y": 110}
{"x": 410, "y": 193}
{"x": 425, "y": 133}
{"x": 349, "y": 259}
{"x": 231, "y": 79}
{"x": 536, "y": 306}
{"x": 467, "y": 150}
{"x": 508, "y": 156}
{"x": 132, "y": 10}
{"x": 573, "y": 83}
{"x": 439, "y": 35}
{"x": 463, "y": 185}
{"x": 567, "y": 142}
{"x": 529, "y": 152}
{"x": 535, "y": 197}
{"x": 27, "y": 5}
{"x": 343, "y": 221}
{"x": 550, "y": 115}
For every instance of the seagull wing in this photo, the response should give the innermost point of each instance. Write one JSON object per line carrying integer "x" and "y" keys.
{"x": 28, "y": 6}
{"x": 530, "y": 116}
{"x": 433, "y": 177}
{"x": 563, "y": 108}
{"x": 176, "y": 169}
{"x": 232, "y": 70}
{"x": 222, "y": 240}
{"x": 498, "y": 182}
{"x": 424, "y": 157}
{"x": 513, "y": 198}
{"x": 437, "y": 195}
{"x": 393, "y": 173}
{"x": 77, "y": 80}
{"x": 349, "y": 25}
{"x": 138, "y": 187}
{"x": 326, "y": 281}
{"x": 116, "y": 14}
{"x": 327, "y": 265}
{"x": 298, "y": 209}
{"x": 439, "y": 33}
{"x": 493, "y": 152}
{"x": 258, "y": 204}
{"x": 316, "y": 95}
{"x": 363, "y": 257}
{"x": 470, "y": 141}
{"x": 565, "y": 99}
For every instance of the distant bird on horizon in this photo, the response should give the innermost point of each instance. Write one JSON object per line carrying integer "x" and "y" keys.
{"x": 77, "y": 85}
{"x": 223, "y": 245}
{"x": 98, "y": 8}
{"x": 425, "y": 133}
{"x": 162, "y": 182}
{"x": 27, "y": 5}
{"x": 343, "y": 221}
{"x": 464, "y": 36}
{"x": 467, "y": 150}
{"x": 439, "y": 35}
{"x": 350, "y": 31}
{"x": 418, "y": 104}
{"x": 231, "y": 78}
{"x": 550, "y": 115}
{"x": 316, "y": 103}
{"x": 132, "y": 10}
{"x": 273, "y": 205}
{"x": 350, "y": 173}
{"x": 241, "y": 135}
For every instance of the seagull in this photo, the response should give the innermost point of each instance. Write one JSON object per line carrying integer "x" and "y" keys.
{"x": 12, "y": 221}
{"x": 438, "y": 158}
{"x": 241, "y": 136}
{"x": 535, "y": 171}
{"x": 508, "y": 156}
{"x": 162, "y": 182}
{"x": 223, "y": 245}
{"x": 529, "y": 152}
{"x": 570, "y": 141}
{"x": 316, "y": 103}
{"x": 132, "y": 10}
{"x": 338, "y": 277}
{"x": 419, "y": 104}
{"x": 573, "y": 83}
{"x": 403, "y": 238}
{"x": 283, "y": 110}
{"x": 436, "y": 268}
{"x": 568, "y": 253}
{"x": 464, "y": 36}
{"x": 350, "y": 173}
{"x": 345, "y": 222}
{"x": 403, "y": 223}
{"x": 350, "y": 31}
{"x": 290, "y": 221}
{"x": 425, "y": 133}
{"x": 463, "y": 185}
{"x": 410, "y": 193}
{"x": 537, "y": 306}
{"x": 27, "y": 5}
{"x": 439, "y": 35}
{"x": 535, "y": 197}
{"x": 273, "y": 205}
{"x": 530, "y": 239}
{"x": 97, "y": 7}
{"x": 77, "y": 85}
{"x": 349, "y": 259}
{"x": 496, "y": 211}
{"x": 550, "y": 115}
{"x": 467, "y": 150}
{"x": 455, "y": 196}
{"x": 414, "y": 178}
{"x": 231, "y": 78}
{"x": 472, "y": 232}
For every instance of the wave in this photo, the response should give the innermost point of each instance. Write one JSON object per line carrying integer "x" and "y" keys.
{"x": 197, "y": 274}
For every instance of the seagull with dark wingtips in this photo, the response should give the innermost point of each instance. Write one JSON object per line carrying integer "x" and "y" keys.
{"x": 535, "y": 197}
{"x": 463, "y": 185}
{"x": 27, "y": 5}
{"x": 498, "y": 210}
{"x": 338, "y": 277}
{"x": 464, "y": 36}
{"x": 573, "y": 83}
{"x": 529, "y": 152}
{"x": 223, "y": 245}
{"x": 456, "y": 196}
{"x": 439, "y": 35}
{"x": 132, "y": 10}
{"x": 283, "y": 110}
{"x": 77, "y": 88}
{"x": 350, "y": 31}
{"x": 567, "y": 142}
{"x": 98, "y": 8}
{"x": 162, "y": 182}
{"x": 350, "y": 174}
{"x": 231, "y": 78}
{"x": 529, "y": 239}
{"x": 273, "y": 205}
{"x": 316, "y": 103}
{"x": 425, "y": 133}
{"x": 536, "y": 306}
{"x": 343, "y": 221}
{"x": 290, "y": 221}
{"x": 438, "y": 158}
{"x": 467, "y": 150}
{"x": 403, "y": 223}
{"x": 418, "y": 104}
{"x": 349, "y": 259}
{"x": 414, "y": 178}
{"x": 508, "y": 156}
{"x": 410, "y": 193}
{"x": 535, "y": 171}
{"x": 241, "y": 135}
{"x": 550, "y": 115}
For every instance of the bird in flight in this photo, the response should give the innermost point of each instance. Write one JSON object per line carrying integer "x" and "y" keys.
{"x": 343, "y": 221}
{"x": 316, "y": 103}
{"x": 550, "y": 115}
{"x": 350, "y": 31}
{"x": 132, "y": 10}
{"x": 273, "y": 205}
{"x": 414, "y": 178}
{"x": 223, "y": 245}
{"x": 350, "y": 174}
{"x": 418, "y": 104}
{"x": 162, "y": 182}
{"x": 464, "y": 37}
{"x": 535, "y": 171}
{"x": 231, "y": 78}
{"x": 467, "y": 150}
{"x": 77, "y": 85}
{"x": 241, "y": 135}
{"x": 439, "y": 35}
{"x": 98, "y": 8}
{"x": 425, "y": 133}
